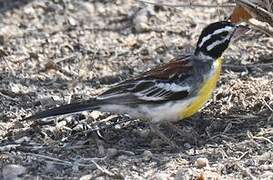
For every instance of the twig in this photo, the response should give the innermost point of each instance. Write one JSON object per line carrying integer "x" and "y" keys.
{"x": 9, "y": 147}
{"x": 64, "y": 58}
{"x": 55, "y": 160}
{"x": 230, "y": 5}
{"x": 9, "y": 66}
{"x": 242, "y": 156}
{"x": 68, "y": 163}
{"x": 262, "y": 26}
{"x": 6, "y": 96}
{"x": 263, "y": 139}
{"x": 103, "y": 169}
{"x": 269, "y": 107}
{"x": 250, "y": 135}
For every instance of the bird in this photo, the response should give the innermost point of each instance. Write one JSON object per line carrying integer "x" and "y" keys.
{"x": 168, "y": 92}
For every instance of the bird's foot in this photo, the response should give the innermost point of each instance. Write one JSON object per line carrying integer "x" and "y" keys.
{"x": 156, "y": 130}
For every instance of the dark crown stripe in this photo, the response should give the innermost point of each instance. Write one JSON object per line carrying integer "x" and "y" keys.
{"x": 214, "y": 39}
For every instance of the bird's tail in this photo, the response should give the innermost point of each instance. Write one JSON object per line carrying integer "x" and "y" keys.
{"x": 91, "y": 104}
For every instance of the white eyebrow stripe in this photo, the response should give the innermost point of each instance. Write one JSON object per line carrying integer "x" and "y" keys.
{"x": 211, "y": 46}
{"x": 218, "y": 31}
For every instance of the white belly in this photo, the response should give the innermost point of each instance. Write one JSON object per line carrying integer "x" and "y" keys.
{"x": 165, "y": 112}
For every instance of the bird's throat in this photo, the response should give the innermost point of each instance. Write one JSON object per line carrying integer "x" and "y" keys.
{"x": 205, "y": 91}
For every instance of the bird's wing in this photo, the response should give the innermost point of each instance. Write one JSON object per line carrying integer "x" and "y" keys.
{"x": 171, "y": 81}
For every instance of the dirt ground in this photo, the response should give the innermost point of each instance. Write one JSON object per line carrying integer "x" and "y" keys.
{"x": 57, "y": 51}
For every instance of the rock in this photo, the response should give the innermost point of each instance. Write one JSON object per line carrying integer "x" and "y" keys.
{"x": 140, "y": 21}
{"x": 187, "y": 146}
{"x": 202, "y": 162}
{"x": 72, "y": 21}
{"x": 147, "y": 155}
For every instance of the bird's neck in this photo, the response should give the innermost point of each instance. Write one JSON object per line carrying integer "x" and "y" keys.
{"x": 200, "y": 56}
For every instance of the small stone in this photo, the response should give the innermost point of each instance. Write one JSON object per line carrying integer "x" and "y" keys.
{"x": 140, "y": 21}
{"x": 147, "y": 155}
{"x": 202, "y": 162}
{"x": 187, "y": 145}
{"x": 72, "y": 21}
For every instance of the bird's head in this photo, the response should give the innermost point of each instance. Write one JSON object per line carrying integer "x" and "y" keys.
{"x": 216, "y": 37}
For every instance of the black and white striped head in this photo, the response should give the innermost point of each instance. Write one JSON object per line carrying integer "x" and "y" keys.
{"x": 215, "y": 38}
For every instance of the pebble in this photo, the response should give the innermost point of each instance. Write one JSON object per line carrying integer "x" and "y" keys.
{"x": 147, "y": 155}
{"x": 187, "y": 145}
{"x": 202, "y": 162}
{"x": 140, "y": 21}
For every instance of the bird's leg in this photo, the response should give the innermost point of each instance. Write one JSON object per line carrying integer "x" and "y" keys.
{"x": 186, "y": 132}
{"x": 156, "y": 130}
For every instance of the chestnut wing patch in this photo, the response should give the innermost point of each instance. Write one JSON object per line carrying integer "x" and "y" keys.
{"x": 164, "y": 83}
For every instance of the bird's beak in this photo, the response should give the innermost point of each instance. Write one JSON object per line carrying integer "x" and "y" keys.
{"x": 239, "y": 31}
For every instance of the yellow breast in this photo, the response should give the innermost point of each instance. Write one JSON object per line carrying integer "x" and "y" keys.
{"x": 205, "y": 91}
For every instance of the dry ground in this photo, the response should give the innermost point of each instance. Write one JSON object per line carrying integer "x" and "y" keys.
{"x": 56, "y": 51}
